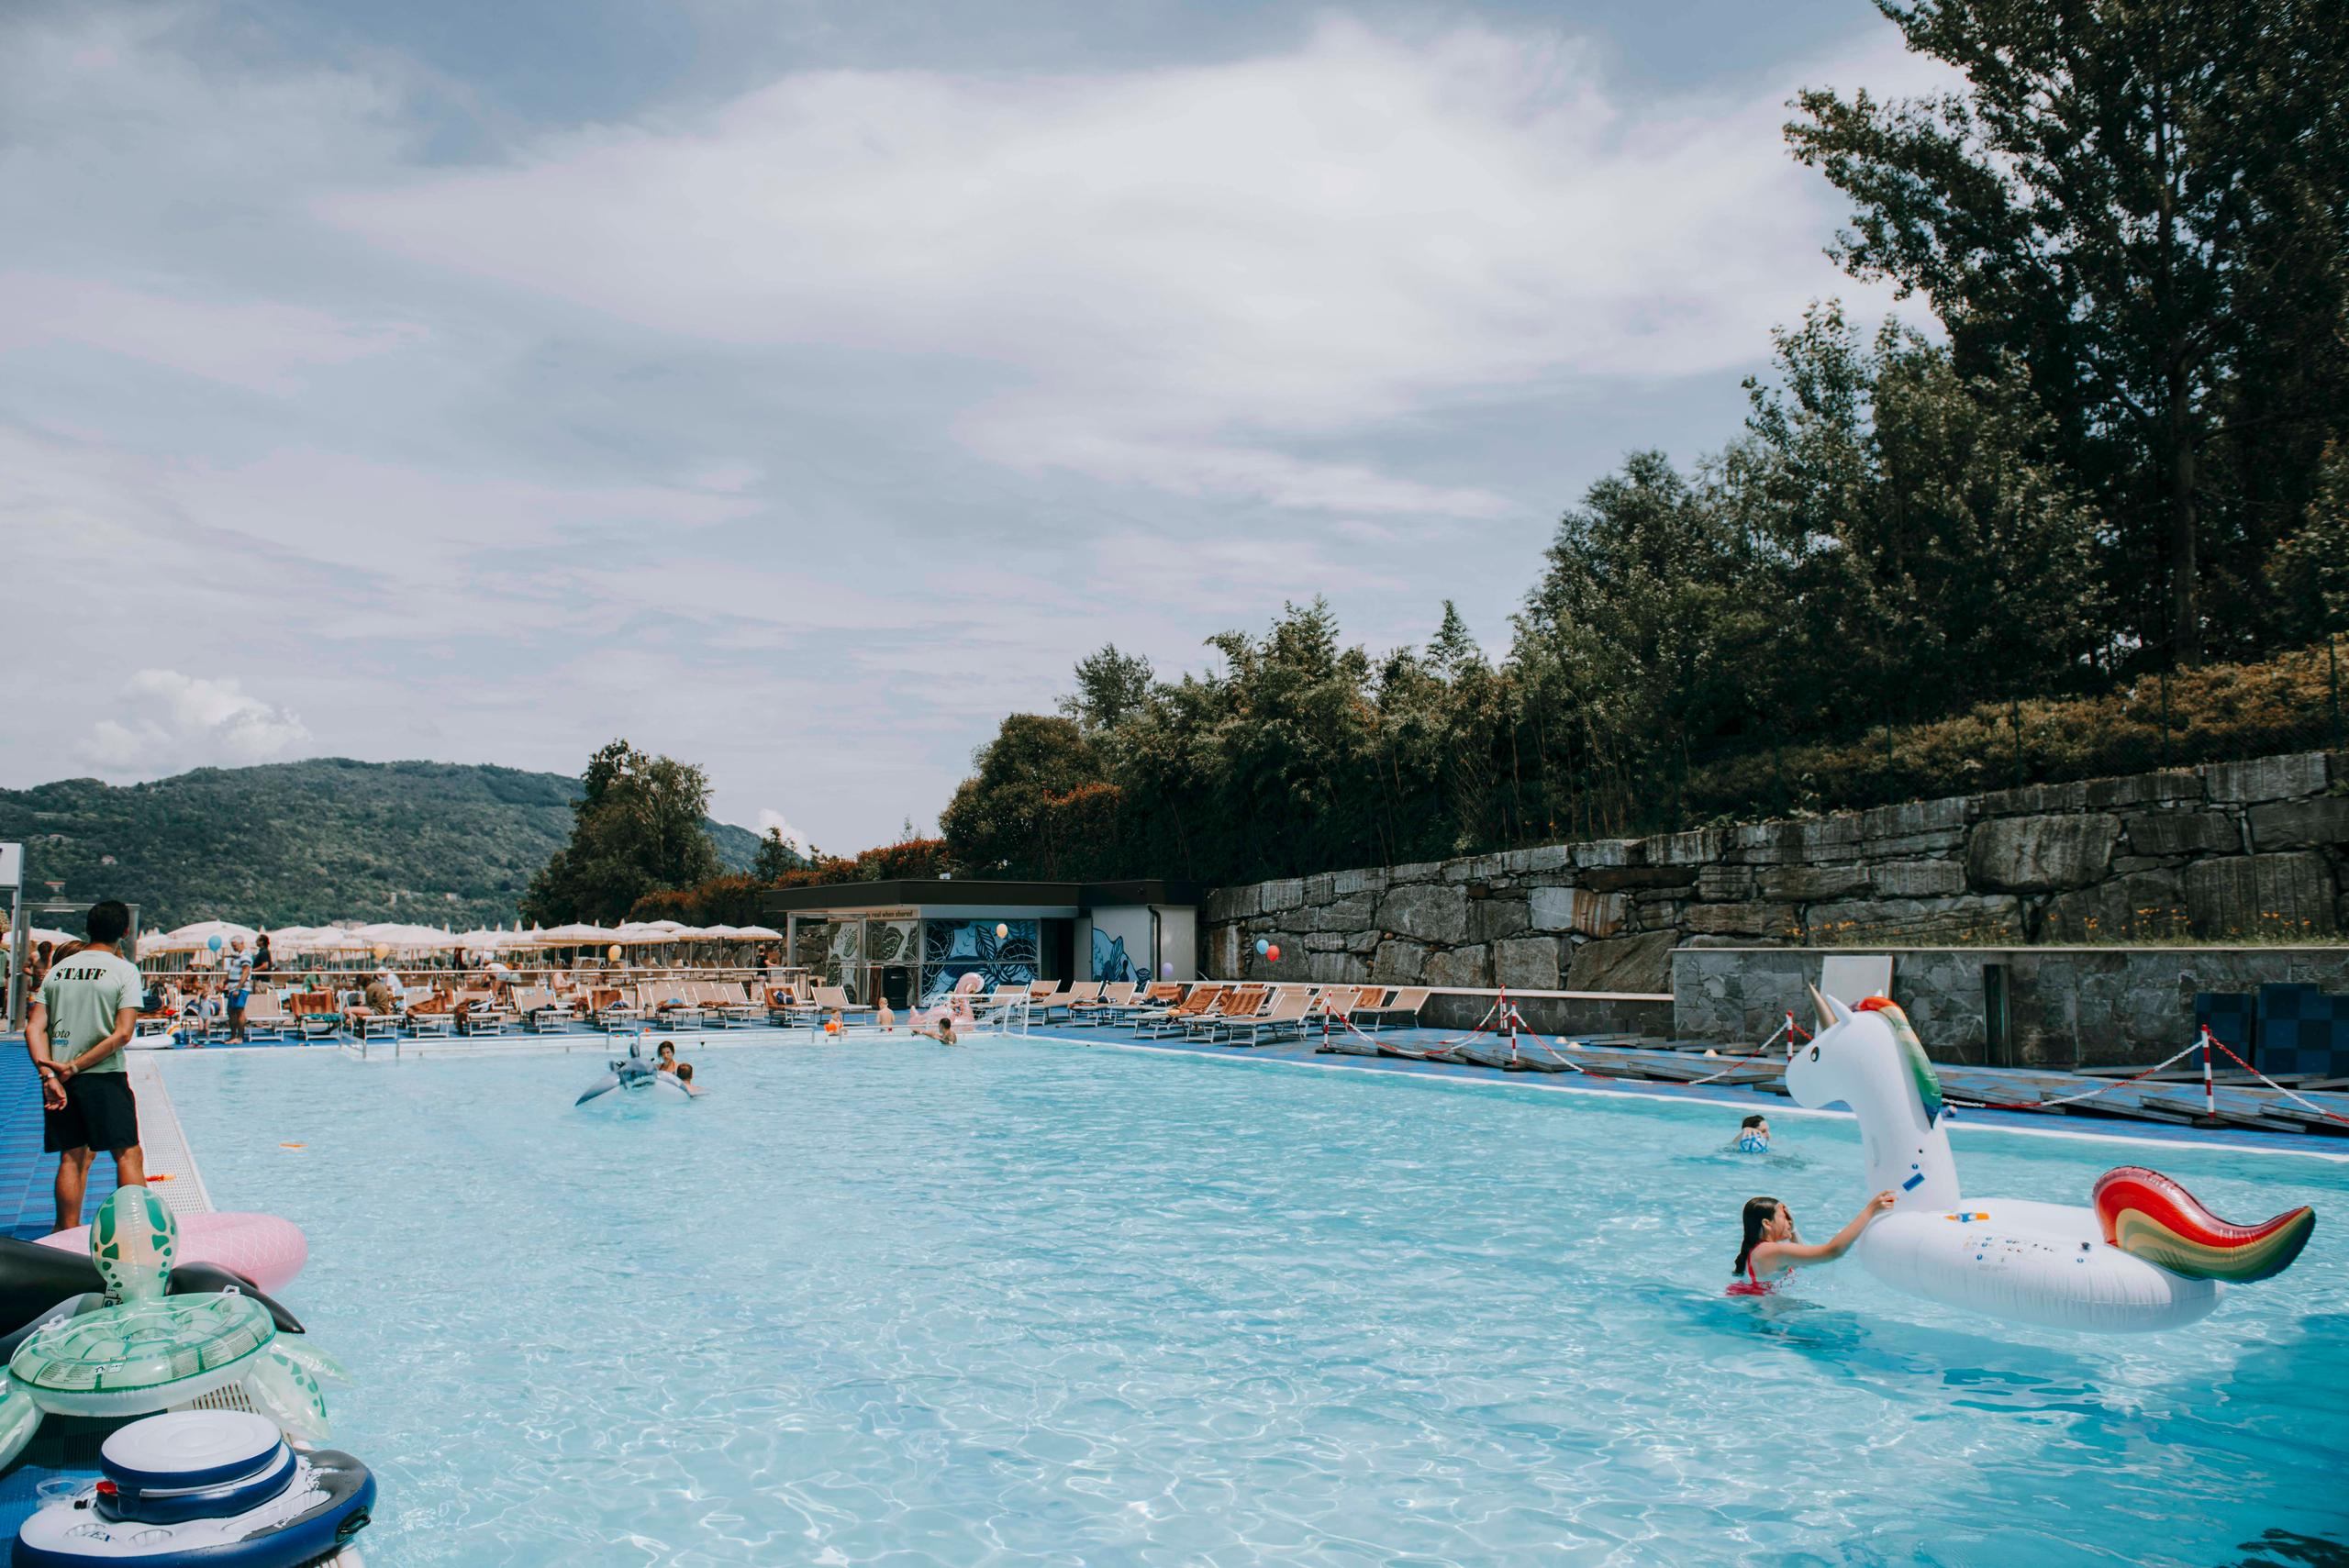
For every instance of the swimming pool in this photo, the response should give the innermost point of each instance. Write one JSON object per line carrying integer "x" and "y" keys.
{"x": 1030, "y": 1302}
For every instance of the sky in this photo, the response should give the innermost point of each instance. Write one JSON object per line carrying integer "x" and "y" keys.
{"x": 796, "y": 389}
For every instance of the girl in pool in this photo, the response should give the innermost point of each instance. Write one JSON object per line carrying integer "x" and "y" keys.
{"x": 1771, "y": 1249}
{"x": 668, "y": 1054}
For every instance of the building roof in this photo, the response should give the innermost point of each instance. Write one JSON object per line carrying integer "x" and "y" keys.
{"x": 1005, "y": 895}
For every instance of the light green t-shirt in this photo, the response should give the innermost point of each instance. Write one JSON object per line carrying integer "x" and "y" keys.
{"x": 83, "y": 994}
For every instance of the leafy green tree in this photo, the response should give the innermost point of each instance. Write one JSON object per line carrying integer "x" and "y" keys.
{"x": 776, "y": 855}
{"x": 636, "y": 829}
{"x": 998, "y": 819}
{"x": 1109, "y": 686}
{"x": 2145, "y": 204}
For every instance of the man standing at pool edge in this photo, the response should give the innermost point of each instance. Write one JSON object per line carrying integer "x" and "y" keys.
{"x": 84, "y": 1015}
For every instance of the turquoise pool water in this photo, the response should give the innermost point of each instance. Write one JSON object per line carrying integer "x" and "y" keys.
{"x": 1034, "y": 1303}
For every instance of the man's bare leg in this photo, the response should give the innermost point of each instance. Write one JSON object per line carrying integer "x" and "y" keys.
{"x": 72, "y": 1179}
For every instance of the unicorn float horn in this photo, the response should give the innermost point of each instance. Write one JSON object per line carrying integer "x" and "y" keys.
{"x": 1828, "y": 1011}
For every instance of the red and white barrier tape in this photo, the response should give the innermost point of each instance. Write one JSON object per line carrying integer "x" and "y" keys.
{"x": 2296, "y": 1099}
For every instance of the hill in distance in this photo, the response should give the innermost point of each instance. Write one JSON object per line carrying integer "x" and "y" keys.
{"x": 305, "y": 843}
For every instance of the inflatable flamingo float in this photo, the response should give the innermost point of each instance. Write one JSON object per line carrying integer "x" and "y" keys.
{"x": 2144, "y": 1257}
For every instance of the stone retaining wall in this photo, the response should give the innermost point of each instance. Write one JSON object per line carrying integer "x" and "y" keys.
{"x": 2223, "y": 853}
{"x": 2066, "y": 1006}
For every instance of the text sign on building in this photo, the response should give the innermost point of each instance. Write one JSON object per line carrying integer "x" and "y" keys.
{"x": 12, "y": 866}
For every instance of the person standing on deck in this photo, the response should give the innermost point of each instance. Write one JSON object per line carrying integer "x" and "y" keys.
{"x": 79, "y": 1022}
{"x": 236, "y": 984}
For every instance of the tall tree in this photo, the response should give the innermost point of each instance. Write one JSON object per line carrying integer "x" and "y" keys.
{"x": 1109, "y": 685}
{"x": 775, "y": 856}
{"x": 636, "y": 828}
{"x": 2144, "y": 201}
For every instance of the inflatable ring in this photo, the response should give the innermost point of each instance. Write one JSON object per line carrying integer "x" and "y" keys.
{"x": 142, "y": 1355}
{"x": 266, "y": 1250}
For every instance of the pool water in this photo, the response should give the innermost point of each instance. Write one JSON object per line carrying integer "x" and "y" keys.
{"x": 1030, "y": 1302}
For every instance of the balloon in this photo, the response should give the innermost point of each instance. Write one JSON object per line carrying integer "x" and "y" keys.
{"x": 1263, "y": 947}
{"x": 1167, "y": 969}
{"x": 1001, "y": 930}
{"x": 382, "y": 951}
{"x": 615, "y": 952}
{"x": 1274, "y": 952}
{"x": 212, "y": 942}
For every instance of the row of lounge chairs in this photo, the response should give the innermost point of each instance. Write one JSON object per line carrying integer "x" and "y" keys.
{"x": 1239, "y": 1014}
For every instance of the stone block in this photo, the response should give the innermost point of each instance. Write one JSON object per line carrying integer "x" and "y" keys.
{"x": 1364, "y": 942}
{"x": 2265, "y": 778}
{"x": 2040, "y": 854}
{"x": 1459, "y": 967}
{"x": 2149, "y": 906}
{"x": 1324, "y": 941}
{"x": 1607, "y": 852}
{"x": 1399, "y": 962}
{"x": 1812, "y": 885}
{"x": 1228, "y": 904}
{"x": 1336, "y": 968}
{"x": 2146, "y": 789}
{"x": 1764, "y": 843}
{"x": 1917, "y": 878}
{"x": 1700, "y": 847}
{"x": 1836, "y": 837}
{"x": 1641, "y": 963}
{"x": 1350, "y": 913}
{"x": 2034, "y": 800}
{"x": 1418, "y": 871}
{"x": 1724, "y": 883}
{"x": 1489, "y": 919}
{"x": 1770, "y": 922}
{"x": 1614, "y": 879}
{"x": 2289, "y": 824}
{"x": 1526, "y": 963}
{"x": 1321, "y": 888}
{"x": 2182, "y": 833}
{"x": 2270, "y": 896}
{"x": 1577, "y": 909}
{"x": 1538, "y": 862}
{"x": 1948, "y": 814}
{"x": 1287, "y": 893}
{"x": 1918, "y": 846}
{"x": 1367, "y": 879}
{"x": 1972, "y": 919}
{"x": 1428, "y": 912}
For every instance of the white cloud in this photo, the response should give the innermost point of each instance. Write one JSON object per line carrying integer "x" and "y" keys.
{"x": 171, "y": 720}
{"x": 1180, "y": 274}
{"x": 258, "y": 345}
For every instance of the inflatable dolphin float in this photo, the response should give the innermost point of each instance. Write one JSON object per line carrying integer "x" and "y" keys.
{"x": 2143, "y": 1256}
{"x": 632, "y": 1074}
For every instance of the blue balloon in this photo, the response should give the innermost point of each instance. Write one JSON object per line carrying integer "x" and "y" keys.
{"x": 1263, "y": 947}
{"x": 1167, "y": 969}
{"x": 212, "y": 942}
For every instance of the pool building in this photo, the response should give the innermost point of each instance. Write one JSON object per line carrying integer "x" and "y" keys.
{"x": 905, "y": 941}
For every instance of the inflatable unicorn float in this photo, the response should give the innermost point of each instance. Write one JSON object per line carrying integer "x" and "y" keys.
{"x": 2145, "y": 1256}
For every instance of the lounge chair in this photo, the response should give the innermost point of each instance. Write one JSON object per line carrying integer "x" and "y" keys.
{"x": 786, "y": 1007}
{"x": 539, "y": 1011}
{"x": 1175, "y": 1019}
{"x": 1116, "y": 994}
{"x": 1153, "y": 1001}
{"x": 1240, "y": 1002}
{"x": 1403, "y": 1005}
{"x": 427, "y": 1012}
{"x": 1284, "y": 1019}
{"x": 997, "y": 1001}
{"x": 314, "y": 1015}
{"x": 1080, "y": 994}
{"x": 834, "y": 999}
{"x": 481, "y": 1013}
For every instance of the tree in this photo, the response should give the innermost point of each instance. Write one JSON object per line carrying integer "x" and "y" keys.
{"x": 2145, "y": 204}
{"x": 776, "y": 856}
{"x": 999, "y": 816}
{"x": 1109, "y": 685}
{"x": 636, "y": 828}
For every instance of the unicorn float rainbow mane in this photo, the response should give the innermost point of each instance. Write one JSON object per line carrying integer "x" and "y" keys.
{"x": 2145, "y": 1256}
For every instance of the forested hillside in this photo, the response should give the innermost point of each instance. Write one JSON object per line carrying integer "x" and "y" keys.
{"x": 302, "y": 843}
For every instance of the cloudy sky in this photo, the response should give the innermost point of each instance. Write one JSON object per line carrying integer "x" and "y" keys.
{"x": 795, "y": 388}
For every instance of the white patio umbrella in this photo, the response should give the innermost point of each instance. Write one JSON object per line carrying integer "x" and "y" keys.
{"x": 197, "y": 938}
{"x": 757, "y": 934}
{"x": 39, "y": 934}
{"x": 578, "y": 934}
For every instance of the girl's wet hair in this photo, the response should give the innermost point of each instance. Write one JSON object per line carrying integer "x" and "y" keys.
{"x": 1759, "y": 1212}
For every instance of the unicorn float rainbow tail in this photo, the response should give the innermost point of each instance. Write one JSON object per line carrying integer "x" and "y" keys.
{"x": 2148, "y": 1215}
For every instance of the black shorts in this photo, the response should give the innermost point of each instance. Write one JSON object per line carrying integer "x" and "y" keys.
{"x": 100, "y": 1113}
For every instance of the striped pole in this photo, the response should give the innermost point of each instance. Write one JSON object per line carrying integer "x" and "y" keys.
{"x": 2209, "y": 1096}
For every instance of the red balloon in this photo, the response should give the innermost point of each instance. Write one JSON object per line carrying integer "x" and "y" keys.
{"x": 1274, "y": 952}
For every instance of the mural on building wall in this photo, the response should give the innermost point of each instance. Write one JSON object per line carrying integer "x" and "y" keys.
{"x": 840, "y": 965}
{"x": 951, "y": 948}
{"x": 1109, "y": 959}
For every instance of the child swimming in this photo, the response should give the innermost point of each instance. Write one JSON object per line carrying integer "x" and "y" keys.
{"x": 1754, "y": 1135}
{"x": 1772, "y": 1250}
